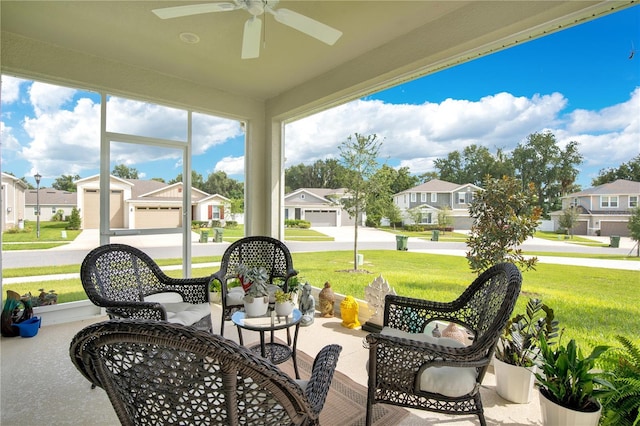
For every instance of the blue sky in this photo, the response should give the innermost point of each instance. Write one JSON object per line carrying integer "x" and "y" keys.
{"x": 578, "y": 83}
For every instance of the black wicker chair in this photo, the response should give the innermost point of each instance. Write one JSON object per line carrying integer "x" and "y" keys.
{"x": 263, "y": 251}
{"x": 161, "y": 373}
{"x": 129, "y": 284}
{"x": 401, "y": 364}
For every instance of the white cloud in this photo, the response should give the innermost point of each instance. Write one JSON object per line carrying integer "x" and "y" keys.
{"x": 10, "y": 89}
{"x": 427, "y": 131}
{"x": 230, "y": 165}
{"x": 47, "y": 98}
{"x": 7, "y": 139}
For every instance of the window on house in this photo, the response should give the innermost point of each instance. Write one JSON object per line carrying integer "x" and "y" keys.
{"x": 461, "y": 198}
{"x": 53, "y": 210}
{"x": 423, "y": 197}
{"x": 633, "y": 201}
{"x": 413, "y": 197}
{"x": 609, "y": 201}
{"x": 434, "y": 197}
{"x": 302, "y": 196}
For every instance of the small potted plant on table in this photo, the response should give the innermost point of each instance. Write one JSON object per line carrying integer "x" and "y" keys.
{"x": 569, "y": 385}
{"x": 284, "y": 303}
{"x": 254, "y": 282}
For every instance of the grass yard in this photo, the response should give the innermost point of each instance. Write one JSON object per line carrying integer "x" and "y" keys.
{"x": 51, "y": 235}
{"x": 592, "y": 304}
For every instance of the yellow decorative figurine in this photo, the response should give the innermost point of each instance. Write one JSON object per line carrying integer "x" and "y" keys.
{"x": 349, "y": 311}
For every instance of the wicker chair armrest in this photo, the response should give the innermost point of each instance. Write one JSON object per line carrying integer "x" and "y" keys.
{"x": 148, "y": 310}
{"x": 192, "y": 290}
{"x": 416, "y": 353}
{"x": 324, "y": 366}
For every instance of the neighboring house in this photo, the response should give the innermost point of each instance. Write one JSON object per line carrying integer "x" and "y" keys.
{"x": 604, "y": 209}
{"x": 320, "y": 206}
{"x": 12, "y": 201}
{"x": 51, "y": 200}
{"x": 433, "y": 197}
{"x": 143, "y": 204}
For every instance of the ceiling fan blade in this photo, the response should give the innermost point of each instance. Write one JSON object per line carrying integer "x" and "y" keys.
{"x": 193, "y": 9}
{"x": 322, "y": 32}
{"x": 251, "y": 38}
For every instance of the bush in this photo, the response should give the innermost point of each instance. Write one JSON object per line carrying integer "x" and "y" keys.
{"x": 74, "y": 219}
{"x": 231, "y": 224}
{"x": 197, "y": 224}
{"x": 58, "y": 216}
{"x": 297, "y": 223}
{"x": 216, "y": 224}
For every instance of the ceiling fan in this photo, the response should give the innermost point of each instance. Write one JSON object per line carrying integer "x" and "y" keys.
{"x": 253, "y": 26}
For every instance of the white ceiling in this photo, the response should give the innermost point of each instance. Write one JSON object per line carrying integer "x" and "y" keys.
{"x": 121, "y": 46}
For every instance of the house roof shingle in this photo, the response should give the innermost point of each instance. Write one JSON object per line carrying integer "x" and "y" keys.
{"x": 50, "y": 196}
{"x": 618, "y": 187}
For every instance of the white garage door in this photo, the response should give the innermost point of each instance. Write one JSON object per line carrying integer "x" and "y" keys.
{"x": 91, "y": 209}
{"x": 614, "y": 228}
{"x": 321, "y": 217}
{"x": 158, "y": 217}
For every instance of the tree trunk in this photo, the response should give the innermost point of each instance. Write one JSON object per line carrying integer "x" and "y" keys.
{"x": 355, "y": 242}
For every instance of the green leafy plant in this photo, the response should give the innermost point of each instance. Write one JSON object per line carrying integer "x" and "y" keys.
{"x": 253, "y": 280}
{"x": 520, "y": 339}
{"x": 569, "y": 379}
{"x": 282, "y": 297}
{"x": 622, "y": 408}
{"x": 504, "y": 216}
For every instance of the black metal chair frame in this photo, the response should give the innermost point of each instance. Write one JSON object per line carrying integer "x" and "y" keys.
{"x": 162, "y": 373}
{"x": 396, "y": 364}
{"x": 118, "y": 277}
{"x": 270, "y": 253}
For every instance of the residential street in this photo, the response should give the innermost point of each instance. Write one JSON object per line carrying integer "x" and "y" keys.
{"x": 168, "y": 246}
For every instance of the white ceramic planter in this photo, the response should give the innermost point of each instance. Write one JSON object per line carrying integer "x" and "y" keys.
{"x": 514, "y": 383}
{"x": 214, "y": 297}
{"x": 554, "y": 414}
{"x": 258, "y": 307}
{"x": 284, "y": 309}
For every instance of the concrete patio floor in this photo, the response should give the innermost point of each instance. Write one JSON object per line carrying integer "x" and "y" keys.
{"x": 40, "y": 385}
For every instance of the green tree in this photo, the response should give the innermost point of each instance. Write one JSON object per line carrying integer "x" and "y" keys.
{"x": 24, "y": 179}
{"x": 158, "y": 179}
{"x": 383, "y": 184}
{"x": 634, "y": 228}
{"x": 197, "y": 181}
{"x": 359, "y": 157}
{"x": 321, "y": 174}
{"x": 219, "y": 183}
{"x": 551, "y": 170}
{"x": 74, "y": 219}
{"x": 444, "y": 218}
{"x": 394, "y": 214}
{"x": 504, "y": 215}
{"x": 629, "y": 171}
{"x": 125, "y": 172}
{"x": 568, "y": 219}
{"x": 66, "y": 183}
{"x": 472, "y": 165}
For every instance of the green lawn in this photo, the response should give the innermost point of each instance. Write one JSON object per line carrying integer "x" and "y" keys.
{"x": 51, "y": 235}
{"x": 427, "y": 235}
{"x": 592, "y": 304}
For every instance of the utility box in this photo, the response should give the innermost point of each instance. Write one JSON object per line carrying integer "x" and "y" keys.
{"x": 401, "y": 242}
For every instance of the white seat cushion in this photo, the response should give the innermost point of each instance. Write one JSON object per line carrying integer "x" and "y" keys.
{"x": 166, "y": 297}
{"x": 448, "y": 381}
{"x": 235, "y": 296}
{"x": 184, "y": 313}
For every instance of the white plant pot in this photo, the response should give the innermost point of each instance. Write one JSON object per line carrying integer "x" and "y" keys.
{"x": 514, "y": 383}
{"x": 554, "y": 414}
{"x": 284, "y": 309}
{"x": 257, "y": 307}
{"x": 214, "y": 297}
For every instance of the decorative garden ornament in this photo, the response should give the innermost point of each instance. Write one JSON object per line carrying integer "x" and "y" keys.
{"x": 375, "y": 294}
{"x": 307, "y": 305}
{"x": 327, "y": 300}
{"x": 349, "y": 310}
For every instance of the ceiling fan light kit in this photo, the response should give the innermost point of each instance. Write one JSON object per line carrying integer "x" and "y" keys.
{"x": 253, "y": 26}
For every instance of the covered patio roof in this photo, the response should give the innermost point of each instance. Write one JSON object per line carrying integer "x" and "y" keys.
{"x": 122, "y": 48}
